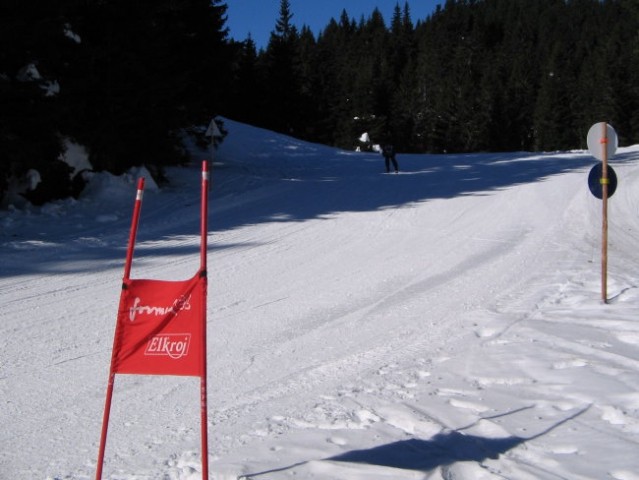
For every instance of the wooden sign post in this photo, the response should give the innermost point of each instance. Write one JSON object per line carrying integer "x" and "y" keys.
{"x": 602, "y": 143}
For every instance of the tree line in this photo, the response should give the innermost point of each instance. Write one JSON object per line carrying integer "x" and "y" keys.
{"x": 476, "y": 75}
{"x": 128, "y": 79}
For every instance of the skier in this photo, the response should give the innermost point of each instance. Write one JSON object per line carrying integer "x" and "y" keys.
{"x": 388, "y": 151}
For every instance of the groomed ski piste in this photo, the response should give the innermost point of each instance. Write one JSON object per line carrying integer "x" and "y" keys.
{"x": 444, "y": 323}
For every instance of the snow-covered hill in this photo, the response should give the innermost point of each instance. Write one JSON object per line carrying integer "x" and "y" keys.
{"x": 445, "y": 322}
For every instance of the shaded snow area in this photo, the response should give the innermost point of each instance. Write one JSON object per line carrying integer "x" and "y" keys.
{"x": 442, "y": 323}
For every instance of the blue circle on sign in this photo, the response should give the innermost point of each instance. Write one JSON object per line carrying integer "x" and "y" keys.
{"x": 595, "y": 183}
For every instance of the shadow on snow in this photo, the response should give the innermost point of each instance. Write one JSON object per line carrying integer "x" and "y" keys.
{"x": 442, "y": 450}
{"x": 280, "y": 179}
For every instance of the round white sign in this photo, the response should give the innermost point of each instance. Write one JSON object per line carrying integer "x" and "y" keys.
{"x": 597, "y": 141}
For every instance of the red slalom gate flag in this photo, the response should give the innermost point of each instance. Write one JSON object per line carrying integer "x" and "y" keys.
{"x": 160, "y": 327}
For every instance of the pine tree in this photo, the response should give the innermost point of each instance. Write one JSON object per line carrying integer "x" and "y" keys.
{"x": 552, "y": 112}
{"x": 247, "y": 91}
{"x": 308, "y": 114}
{"x": 32, "y": 36}
{"x": 633, "y": 90}
{"x": 332, "y": 72}
{"x": 403, "y": 115}
{"x": 150, "y": 69}
{"x": 282, "y": 74}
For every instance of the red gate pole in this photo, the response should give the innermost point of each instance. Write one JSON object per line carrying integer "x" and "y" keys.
{"x": 127, "y": 272}
{"x": 203, "y": 273}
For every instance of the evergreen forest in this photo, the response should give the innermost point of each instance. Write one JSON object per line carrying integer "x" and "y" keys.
{"x": 127, "y": 80}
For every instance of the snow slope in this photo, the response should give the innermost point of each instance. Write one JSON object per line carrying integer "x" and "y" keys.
{"x": 443, "y": 323}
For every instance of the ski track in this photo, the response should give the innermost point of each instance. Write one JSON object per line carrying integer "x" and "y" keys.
{"x": 350, "y": 336}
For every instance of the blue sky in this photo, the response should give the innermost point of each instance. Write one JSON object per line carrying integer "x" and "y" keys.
{"x": 258, "y": 17}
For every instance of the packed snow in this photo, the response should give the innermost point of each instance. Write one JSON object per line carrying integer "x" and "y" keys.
{"x": 442, "y": 323}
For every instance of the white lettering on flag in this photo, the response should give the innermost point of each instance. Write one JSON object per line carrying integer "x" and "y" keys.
{"x": 173, "y": 345}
